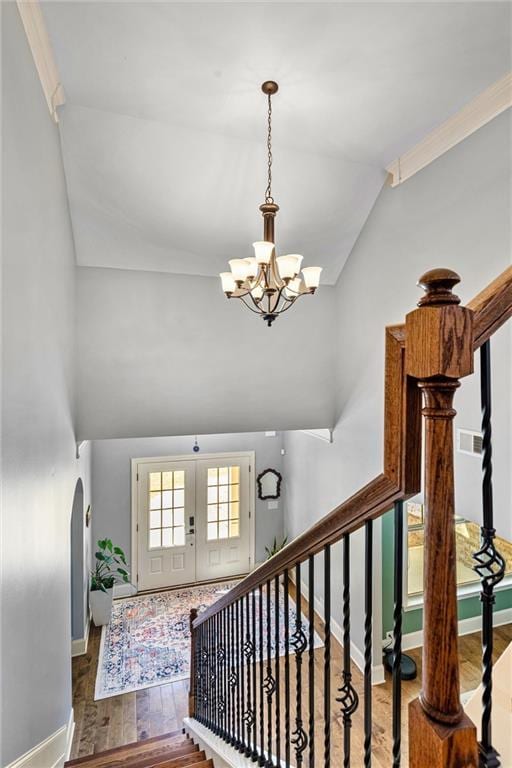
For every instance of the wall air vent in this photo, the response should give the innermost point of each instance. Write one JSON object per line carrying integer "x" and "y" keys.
{"x": 469, "y": 442}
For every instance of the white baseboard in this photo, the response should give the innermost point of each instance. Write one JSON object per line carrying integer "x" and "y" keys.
{"x": 466, "y": 627}
{"x": 79, "y": 647}
{"x": 356, "y": 654}
{"x": 124, "y": 590}
{"x": 50, "y": 753}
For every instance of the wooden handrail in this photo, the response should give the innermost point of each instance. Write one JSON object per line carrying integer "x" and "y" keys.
{"x": 402, "y": 449}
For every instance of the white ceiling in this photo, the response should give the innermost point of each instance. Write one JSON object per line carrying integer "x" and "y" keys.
{"x": 164, "y": 126}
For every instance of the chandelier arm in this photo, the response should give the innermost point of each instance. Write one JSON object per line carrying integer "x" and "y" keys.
{"x": 256, "y": 311}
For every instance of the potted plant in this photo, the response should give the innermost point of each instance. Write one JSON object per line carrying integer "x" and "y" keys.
{"x": 108, "y": 570}
{"x": 275, "y": 547}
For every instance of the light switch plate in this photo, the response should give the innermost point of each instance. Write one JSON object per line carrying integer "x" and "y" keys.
{"x": 273, "y": 504}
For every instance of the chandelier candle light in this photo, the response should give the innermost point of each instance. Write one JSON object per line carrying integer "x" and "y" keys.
{"x": 268, "y": 284}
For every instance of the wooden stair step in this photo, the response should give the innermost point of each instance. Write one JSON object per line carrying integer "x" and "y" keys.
{"x": 203, "y": 764}
{"x": 174, "y": 746}
{"x": 161, "y": 760}
{"x": 175, "y": 762}
{"x": 194, "y": 761}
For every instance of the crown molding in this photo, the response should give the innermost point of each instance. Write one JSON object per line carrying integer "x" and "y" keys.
{"x": 42, "y": 53}
{"x": 481, "y": 110}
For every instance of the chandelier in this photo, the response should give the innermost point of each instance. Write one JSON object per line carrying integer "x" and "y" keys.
{"x": 267, "y": 284}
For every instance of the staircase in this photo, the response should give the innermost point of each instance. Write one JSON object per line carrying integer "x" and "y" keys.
{"x": 173, "y": 750}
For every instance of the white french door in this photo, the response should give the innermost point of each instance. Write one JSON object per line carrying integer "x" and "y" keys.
{"x": 193, "y": 519}
{"x": 166, "y": 510}
{"x": 223, "y": 518}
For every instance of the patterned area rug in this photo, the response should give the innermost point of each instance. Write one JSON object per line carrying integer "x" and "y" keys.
{"x": 147, "y": 642}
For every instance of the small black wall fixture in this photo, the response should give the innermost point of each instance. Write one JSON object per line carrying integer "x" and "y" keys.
{"x": 261, "y": 477}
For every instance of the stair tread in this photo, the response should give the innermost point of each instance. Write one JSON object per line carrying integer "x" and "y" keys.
{"x": 162, "y": 760}
{"x": 159, "y": 747}
{"x": 199, "y": 761}
{"x": 194, "y": 760}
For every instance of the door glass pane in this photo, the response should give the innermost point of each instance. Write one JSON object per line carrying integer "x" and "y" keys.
{"x": 223, "y": 494}
{"x": 223, "y": 476}
{"x": 234, "y": 510}
{"x": 155, "y": 500}
{"x": 234, "y": 475}
{"x": 154, "y": 518}
{"x": 166, "y": 509}
{"x": 212, "y": 531}
{"x": 155, "y": 480}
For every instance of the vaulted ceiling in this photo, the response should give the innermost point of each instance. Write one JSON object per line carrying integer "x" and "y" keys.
{"x": 164, "y": 126}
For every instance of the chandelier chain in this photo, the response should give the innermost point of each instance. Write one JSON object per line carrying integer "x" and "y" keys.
{"x": 268, "y": 191}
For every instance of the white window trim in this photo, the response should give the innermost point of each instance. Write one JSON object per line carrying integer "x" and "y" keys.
{"x": 135, "y": 463}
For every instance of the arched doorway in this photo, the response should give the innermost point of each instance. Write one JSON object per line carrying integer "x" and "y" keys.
{"x": 78, "y": 572}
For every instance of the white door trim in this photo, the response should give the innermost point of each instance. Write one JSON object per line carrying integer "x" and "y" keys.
{"x": 251, "y": 455}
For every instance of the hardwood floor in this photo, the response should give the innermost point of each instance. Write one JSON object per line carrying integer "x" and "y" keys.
{"x": 154, "y": 711}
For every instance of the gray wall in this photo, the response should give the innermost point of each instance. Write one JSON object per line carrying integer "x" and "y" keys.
{"x": 455, "y": 213}
{"x": 162, "y": 354}
{"x": 39, "y": 469}
{"x": 111, "y": 471}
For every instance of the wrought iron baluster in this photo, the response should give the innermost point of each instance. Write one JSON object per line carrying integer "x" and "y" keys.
{"x": 397, "y": 633}
{"x": 248, "y": 650}
{"x": 207, "y": 698}
{"x": 490, "y": 564}
{"x": 277, "y": 654}
{"x": 348, "y": 697}
{"x": 222, "y": 664}
{"x": 241, "y": 684}
{"x": 199, "y": 672}
{"x": 227, "y": 714}
{"x": 286, "y": 608}
{"x": 242, "y": 677}
{"x": 368, "y": 644}
{"x": 254, "y": 754}
{"x": 233, "y": 676}
{"x": 299, "y": 643}
{"x": 269, "y": 683}
{"x": 215, "y": 663}
{"x": 311, "y": 659}
{"x": 327, "y": 656}
{"x": 261, "y": 760}
{"x": 213, "y": 677}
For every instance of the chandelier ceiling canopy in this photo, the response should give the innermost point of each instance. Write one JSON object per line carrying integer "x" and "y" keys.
{"x": 267, "y": 284}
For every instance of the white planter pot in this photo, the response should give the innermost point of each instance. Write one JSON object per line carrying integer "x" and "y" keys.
{"x": 101, "y": 606}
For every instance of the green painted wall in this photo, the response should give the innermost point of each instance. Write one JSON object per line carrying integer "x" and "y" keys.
{"x": 413, "y": 620}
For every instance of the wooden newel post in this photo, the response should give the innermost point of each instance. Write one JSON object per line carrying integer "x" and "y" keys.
{"x": 439, "y": 352}
{"x": 192, "y": 680}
